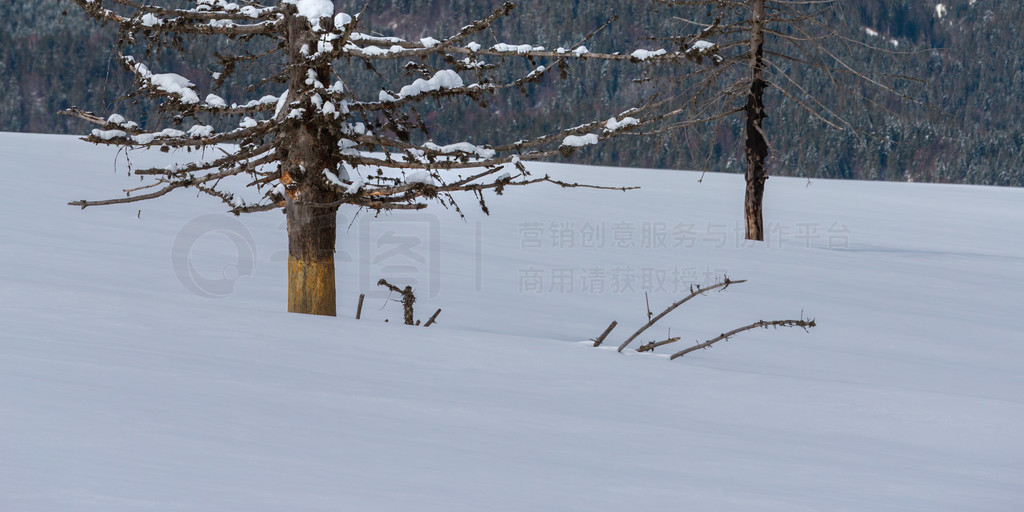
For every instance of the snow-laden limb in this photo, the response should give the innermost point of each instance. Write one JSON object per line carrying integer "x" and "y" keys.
{"x": 401, "y": 48}
{"x": 196, "y": 137}
{"x": 207, "y": 18}
{"x": 371, "y": 47}
{"x": 446, "y": 83}
{"x": 460, "y": 148}
{"x": 179, "y": 89}
{"x": 648, "y": 54}
{"x": 578, "y": 141}
{"x": 444, "y": 79}
{"x": 171, "y": 84}
{"x": 613, "y": 125}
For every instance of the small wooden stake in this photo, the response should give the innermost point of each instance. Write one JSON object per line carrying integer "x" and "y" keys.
{"x": 359, "y": 309}
{"x": 432, "y": 318}
{"x": 600, "y": 339}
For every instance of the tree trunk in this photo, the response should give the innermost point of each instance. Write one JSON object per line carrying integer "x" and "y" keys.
{"x": 756, "y": 145}
{"x": 311, "y": 235}
{"x": 308, "y": 148}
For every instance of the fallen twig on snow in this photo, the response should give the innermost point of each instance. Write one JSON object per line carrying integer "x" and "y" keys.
{"x": 655, "y": 344}
{"x": 805, "y": 324}
{"x": 694, "y": 291}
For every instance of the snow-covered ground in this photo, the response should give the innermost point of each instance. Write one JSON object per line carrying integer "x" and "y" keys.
{"x": 147, "y": 363}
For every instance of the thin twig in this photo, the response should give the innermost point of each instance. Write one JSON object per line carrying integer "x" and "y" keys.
{"x": 655, "y": 344}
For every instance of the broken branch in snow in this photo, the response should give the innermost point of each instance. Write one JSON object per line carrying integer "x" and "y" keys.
{"x": 805, "y": 324}
{"x": 694, "y": 291}
{"x": 655, "y": 344}
{"x": 408, "y": 298}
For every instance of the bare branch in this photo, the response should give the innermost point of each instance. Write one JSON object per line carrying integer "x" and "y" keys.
{"x": 694, "y": 292}
{"x": 805, "y": 324}
{"x": 655, "y": 344}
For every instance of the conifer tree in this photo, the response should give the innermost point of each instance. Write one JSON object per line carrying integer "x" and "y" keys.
{"x": 315, "y": 144}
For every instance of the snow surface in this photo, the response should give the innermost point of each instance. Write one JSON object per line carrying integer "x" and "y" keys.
{"x": 124, "y": 389}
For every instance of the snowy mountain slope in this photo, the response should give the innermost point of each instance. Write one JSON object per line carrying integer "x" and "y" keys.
{"x": 126, "y": 386}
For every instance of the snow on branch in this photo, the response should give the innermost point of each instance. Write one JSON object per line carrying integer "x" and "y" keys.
{"x": 317, "y": 135}
{"x": 207, "y": 18}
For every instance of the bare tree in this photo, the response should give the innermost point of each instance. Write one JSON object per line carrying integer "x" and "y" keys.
{"x": 315, "y": 145}
{"x": 756, "y": 44}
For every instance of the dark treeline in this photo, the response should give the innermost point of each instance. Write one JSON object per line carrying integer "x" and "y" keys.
{"x": 970, "y": 62}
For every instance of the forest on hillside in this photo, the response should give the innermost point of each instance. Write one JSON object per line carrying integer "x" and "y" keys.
{"x": 966, "y": 58}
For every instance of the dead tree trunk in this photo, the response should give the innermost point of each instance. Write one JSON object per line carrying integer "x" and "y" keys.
{"x": 756, "y": 144}
{"x": 308, "y": 149}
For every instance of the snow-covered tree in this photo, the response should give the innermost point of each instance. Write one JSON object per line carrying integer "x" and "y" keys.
{"x": 315, "y": 144}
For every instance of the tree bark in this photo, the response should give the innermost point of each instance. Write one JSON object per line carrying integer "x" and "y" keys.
{"x": 308, "y": 148}
{"x": 756, "y": 145}
{"x": 311, "y": 236}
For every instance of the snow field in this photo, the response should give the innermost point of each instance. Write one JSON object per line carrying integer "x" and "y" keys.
{"x": 124, "y": 390}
